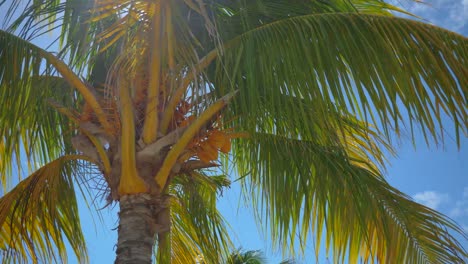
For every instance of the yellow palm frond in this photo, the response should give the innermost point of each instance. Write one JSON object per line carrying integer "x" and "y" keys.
{"x": 39, "y": 213}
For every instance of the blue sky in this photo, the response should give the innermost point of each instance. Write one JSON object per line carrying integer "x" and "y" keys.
{"x": 450, "y": 14}
{"x": 435, "y": 176}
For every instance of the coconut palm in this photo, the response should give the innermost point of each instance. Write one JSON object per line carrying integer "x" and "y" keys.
{"x": 246, "y": 257}
{"x": 240, "y": 256}
{"x": 152, "y": 101}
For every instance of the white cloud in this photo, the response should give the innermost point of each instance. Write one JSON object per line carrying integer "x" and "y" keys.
{"x": 450, "y": 14}
{"x": 465, "y": 7}
{"x": 431, "y": 199}
{"x": 457, "y": 210}
{"x": 418, "y": 8}
{"x": 460, "y": 208}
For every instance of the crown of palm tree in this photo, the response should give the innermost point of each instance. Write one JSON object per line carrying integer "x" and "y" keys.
{"x": 301, "y": 96}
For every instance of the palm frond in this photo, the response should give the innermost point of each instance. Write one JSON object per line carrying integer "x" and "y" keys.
{"x": 303, "y": 188}
{"x": 30, "y": 126}
{"x": 71, "y": 18}
{"x": 326, "y": 125}
{"x": 379, "y": 7}
{"x": 236, "y": 17}
{"x": 384, "y": 69}
{"x": 198, "y": 229}
{"x": 39, "y": 213}
{"x": 246, "y": 257}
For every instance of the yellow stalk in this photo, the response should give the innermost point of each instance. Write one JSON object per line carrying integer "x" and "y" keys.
{"x": 169, "y": 111}
{"x": 75, "y": 81}
{"x": 130, "y": 182}
{"x": 150, "y": 127}
{"x": 170, "y": 37}
{"x": 189, "y": 134}
{"x": 101, "y": 152}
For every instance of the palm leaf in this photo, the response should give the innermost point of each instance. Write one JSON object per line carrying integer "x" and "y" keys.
{"x": 198, "y": 230}
{"x": 246, "y": 257}
{"x": 30, "y": 126}
{"x": 236, "y": 17}
{"x": 72, "y": 18}
{"x": 326, "y": 125}
{"x": 288, "y": 61}
{"x": 39, "y": 213}
{"x": 381, "y": 68}
{"x": 302, "y": 187}
{"x": 298, "y": 167}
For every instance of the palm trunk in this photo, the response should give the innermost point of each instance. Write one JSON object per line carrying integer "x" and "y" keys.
{"x": 138, "y": 227}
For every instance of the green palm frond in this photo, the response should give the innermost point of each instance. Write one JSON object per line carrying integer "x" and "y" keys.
{"x": 198, "y": 229}
{"x": 72, "y": 18}
{"x": 381, "y": 68}
{"x": 310, "y": 75}
{"x": 31, "y": 127}
{"x": 88, "y": 29}
{"x": 379, "y": 7}
{"x": 326, "y": 125}
{"x": 236, "y": 17}
{"x": 39, "y": 213}
{"x": 240, "y": 256}
{"x": 246, "y": 257}
{"x": 305, "y": 188}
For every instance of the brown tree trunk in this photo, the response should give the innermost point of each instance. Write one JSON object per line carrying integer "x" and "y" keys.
{"x": 138, "y": 226}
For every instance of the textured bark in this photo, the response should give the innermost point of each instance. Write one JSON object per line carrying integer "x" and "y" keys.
{"x": 138, "y": 227}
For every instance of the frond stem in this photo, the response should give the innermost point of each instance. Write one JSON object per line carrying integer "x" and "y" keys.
{"x": 150, "y": 127}
{"x": 189, "y": 134}
{"x": 175, "y": 98}
{"x": 130, "y": 182}
{"x": 75, "y": 81}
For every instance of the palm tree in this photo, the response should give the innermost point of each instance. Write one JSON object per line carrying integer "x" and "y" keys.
{"x": 246, "y": 257}
{"x": 240, "y": 256}
{"x": 301, "y": 97}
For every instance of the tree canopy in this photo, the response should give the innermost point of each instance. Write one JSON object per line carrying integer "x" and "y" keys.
{"x": 146, "y": 98}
